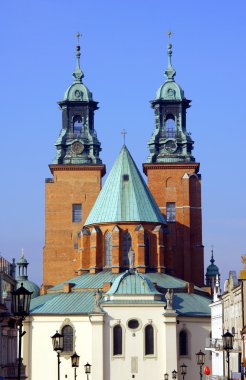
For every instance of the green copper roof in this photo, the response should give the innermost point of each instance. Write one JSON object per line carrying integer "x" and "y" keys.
{"x": 170, "y": 90}
{"x": 132, "y": 282}
{"x": 78, "y": 91}
{"x": 125, "y": 196}
{"x": 83, "y": 302}
{"x": 190, "y": 304}
{"x": 63, "y": 303}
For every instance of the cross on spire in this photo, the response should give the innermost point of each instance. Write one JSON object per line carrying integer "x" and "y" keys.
{"x": 78, "y": 35}
{"x": 124, "y": 133}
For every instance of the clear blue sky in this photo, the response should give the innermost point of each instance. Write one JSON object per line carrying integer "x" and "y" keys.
{"x": 123, "y": 58}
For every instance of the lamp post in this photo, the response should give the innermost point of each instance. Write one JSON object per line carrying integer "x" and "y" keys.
{"x": 183, "y": 370}
{"x": 166, "y": 376}
{"x": 57, "y": 341}
{"x": 174, "y": 374}
{"x": 75, "y": 363}
{"x": 87, "y": 369}
{"x": 200, "y": 360}
{"x": 21, "y": 305}
{"x": 227, "y": 340}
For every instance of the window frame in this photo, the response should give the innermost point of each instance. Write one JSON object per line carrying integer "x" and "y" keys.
{"x": 75, "y": 218}
{"x": 171, "y": 212}
{"x": 184, "y": 331}
{"x": 154, "y": 354}
{"x": 68, "y": 352}
{"x": 117, "y": 356}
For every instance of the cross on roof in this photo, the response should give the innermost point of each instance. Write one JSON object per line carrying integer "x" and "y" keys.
{"x": 124, "y": 133}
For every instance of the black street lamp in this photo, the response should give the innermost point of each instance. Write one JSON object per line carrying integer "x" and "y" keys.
{"x": 57, "y": 341}
{"x": 75, "y": 363}
{"x": 174, "y": 374}
{"x": 227, "y": 340}
{"x": 166, "y": 376}
{"x": 183, "y": 370}
{"x": 87, "y": 369}
{"x": 21, "y": 299}
{"x": 200, "y": 360}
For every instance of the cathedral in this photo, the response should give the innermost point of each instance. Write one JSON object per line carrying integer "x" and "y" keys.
{"x": 123, "y": 271}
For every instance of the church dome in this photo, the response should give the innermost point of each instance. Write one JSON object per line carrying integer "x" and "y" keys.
{"x": 78, "y": 92}
{"x": 22, "y": 278}
{"x": 132, "y": 282}
{"x": 170, "y": 90}
{"x": 212, "y": 269}
{"x": 29, "y": 285}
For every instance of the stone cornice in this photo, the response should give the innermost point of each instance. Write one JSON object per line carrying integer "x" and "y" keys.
{"x": 57, "y": 167}
{"x": 175, "y": 165}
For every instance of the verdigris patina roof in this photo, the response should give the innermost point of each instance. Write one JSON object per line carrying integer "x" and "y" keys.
{"x": 81, "y": 298}
{"x": 125, "y": 196}
{"x": 132, "y": 282}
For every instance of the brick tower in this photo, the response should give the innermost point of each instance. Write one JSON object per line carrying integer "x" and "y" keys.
{"x": 76, "y": 180}
{"x": 174, "y": 179}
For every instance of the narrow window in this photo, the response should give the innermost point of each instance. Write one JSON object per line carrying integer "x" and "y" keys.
{"x": 146, "y": 249}
{"x": 183, "y": 343}
{"x": 77, "y": 213}
{"x": 127, "y": 243}
{"x": 108, "y": 249}
{"x": 170, "y": 130}
{"x": 149, "y": 340}
{"x": 171, "y": 211}
{"x": 117, "y": 340}
{"x": 77, "y": 125}
{"x": 67, "y": 332}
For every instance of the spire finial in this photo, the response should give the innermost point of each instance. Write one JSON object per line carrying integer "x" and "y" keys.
{"x": 170, "y": 72}
{"x": 124, "y": 133}
{"x": 78, "y": 73}
{"x": 22, "y": 253}
{"x": 212, "y": 255}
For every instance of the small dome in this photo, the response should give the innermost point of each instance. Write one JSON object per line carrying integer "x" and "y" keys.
{"x": 29, "y": 285}
{"x": 78, "y": 91}
{"x": 212, "y": 270}
{"x": 132, "y": 282}
{"x": 170, "y": 90}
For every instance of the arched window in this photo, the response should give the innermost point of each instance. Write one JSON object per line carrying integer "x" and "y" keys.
{"x": 146, "y": 249}
{"x": 67, "y": 332}
{"x": 108, "y": 249}
{"x": 127, "y": 243}
{"x": 77, "y": 125}
{"x": 170, "y": 130}
{"x": 183, "y": 343}
{"x": 117, "y": 340}
{"x": 149, "y": 340}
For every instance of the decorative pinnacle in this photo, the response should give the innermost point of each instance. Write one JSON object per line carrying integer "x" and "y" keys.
{"x": 212, "y": 255}
{"x": 22, "y": 253}
{"x": 170, "y": 72}
{"x": 78, "y": 73}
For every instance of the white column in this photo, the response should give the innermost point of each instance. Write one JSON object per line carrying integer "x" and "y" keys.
{"x": 97, "y": 369}
{"x": 170, "y": 338}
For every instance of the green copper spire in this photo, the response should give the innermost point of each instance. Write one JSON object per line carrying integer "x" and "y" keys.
{"x": 170, "y": 72}
{"x": 125, "y": 196}
{"x": 170, "y": 141}
{"x": 77, "y": 143}
{"x": 78, "y": 73}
